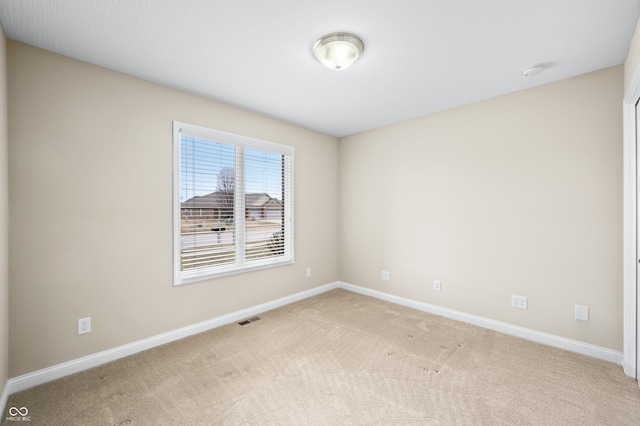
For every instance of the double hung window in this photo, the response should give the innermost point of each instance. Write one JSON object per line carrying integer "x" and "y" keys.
{"x": 232, "y": 203}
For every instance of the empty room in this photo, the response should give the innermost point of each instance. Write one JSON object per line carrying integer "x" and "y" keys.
{"x": 319, "y": 212}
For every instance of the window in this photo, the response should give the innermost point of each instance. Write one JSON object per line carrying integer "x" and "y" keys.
{"x": 232, "y": 203}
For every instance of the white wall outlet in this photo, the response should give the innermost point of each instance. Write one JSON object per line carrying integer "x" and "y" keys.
{"x": 519, "y": 302}
{"x": 308, "y": 272}
{"x": 384, "y": 275}
{"x": 84, "y": 325}
{"x": 582, "y": 313}
{"x": 436, "y": 285}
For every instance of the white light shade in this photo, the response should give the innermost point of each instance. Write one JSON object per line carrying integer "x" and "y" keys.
{"x": 338, "y": 51}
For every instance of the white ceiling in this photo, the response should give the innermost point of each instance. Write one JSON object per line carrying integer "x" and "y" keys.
{"x": 421, "y": 56}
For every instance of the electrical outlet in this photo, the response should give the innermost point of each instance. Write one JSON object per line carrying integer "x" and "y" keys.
{"x": 436, "y": 285}
{"x": 384, "y": 275}
{"x": 519, "y": 302}
{"x": 84, "y": 325}
{"x": 308, "y": 272}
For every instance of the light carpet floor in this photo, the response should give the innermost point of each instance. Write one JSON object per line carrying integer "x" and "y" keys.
{"x": 341, "y": 358}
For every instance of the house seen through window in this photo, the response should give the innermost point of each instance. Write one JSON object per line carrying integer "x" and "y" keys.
{"x": 232, "y": 203}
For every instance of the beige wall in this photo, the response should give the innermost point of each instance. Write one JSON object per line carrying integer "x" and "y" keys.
{"x": 4, "y": 222}
{"x": 633, "y": 58}
{"x": 520, "y": 194}
{"x": 91, "y": 182}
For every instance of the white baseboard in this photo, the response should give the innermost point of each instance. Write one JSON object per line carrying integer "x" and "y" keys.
{"x": 513, "y": 330}
{"x": 35, "y": 378}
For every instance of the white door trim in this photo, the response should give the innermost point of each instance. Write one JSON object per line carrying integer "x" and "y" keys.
{"x": 630, "y": 255}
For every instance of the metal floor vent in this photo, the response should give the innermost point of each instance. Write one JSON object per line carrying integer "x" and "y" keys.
{"x": 249, "y": 321}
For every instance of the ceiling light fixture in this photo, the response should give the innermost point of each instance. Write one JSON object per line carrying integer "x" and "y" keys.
{"x": 338, "y": 51}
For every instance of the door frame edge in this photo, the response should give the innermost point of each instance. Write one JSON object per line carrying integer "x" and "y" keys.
{"x": 630, "y": 255}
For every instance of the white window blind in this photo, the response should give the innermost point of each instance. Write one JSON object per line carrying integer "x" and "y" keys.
{"x": 233, "y": 202}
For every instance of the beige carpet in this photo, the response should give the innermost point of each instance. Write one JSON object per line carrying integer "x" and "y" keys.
{"x": 338, "y": 359}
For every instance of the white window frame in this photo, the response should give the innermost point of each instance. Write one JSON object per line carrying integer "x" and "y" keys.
{"x": 240, "y": 142}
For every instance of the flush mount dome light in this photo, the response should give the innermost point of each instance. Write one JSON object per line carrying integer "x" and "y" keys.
{"x": 338, "y": 51}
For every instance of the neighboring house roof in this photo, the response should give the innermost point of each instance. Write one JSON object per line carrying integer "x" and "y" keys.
{"x": 216, "y": 199}
{"x": 273, "y": 204}
{"x": 221, "y": 199}
{"x": 256, "y": 201}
